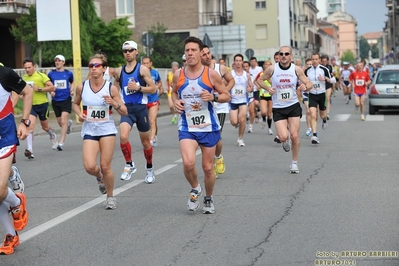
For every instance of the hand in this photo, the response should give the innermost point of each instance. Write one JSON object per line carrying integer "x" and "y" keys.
{"x": 22, "y": 131}
{"x": 321, "y": 78}
{"x": 271, "y": 90}
{"x": 206, "y": 96}
{"x": 108, "y": 100}
{"x": 132, "y": 85}
{"x": 81, "y": 117}
{"x": 179, "y": 106}
{"x": 302, "y": 87}
{"x": 52, "y": 94}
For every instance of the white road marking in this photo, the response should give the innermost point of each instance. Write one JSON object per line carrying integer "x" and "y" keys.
{"x": 378, "y": 118}
{"x": 72, "y": 213}
{"x": 340, "y": 117}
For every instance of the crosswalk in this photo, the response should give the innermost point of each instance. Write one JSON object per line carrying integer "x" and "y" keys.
{"x": 346, "y": 117}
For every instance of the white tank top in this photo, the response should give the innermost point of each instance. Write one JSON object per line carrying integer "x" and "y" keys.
{"x": 99, "y": 120}
{"x": 221, "y": 108}
{"x": 284, "y": 82}
{"x": 239, "y": 91}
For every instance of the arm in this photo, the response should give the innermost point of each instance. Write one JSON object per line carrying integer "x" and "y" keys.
{"x": 178, "y": 103}
{"x": 267, "y": 74}
{"x": 27, "y": 93}
{"x": 305, "y": 85}
{"x": 76, "y": 104}
{"x": 14, "y": 99}
{"x": 224, "y": 94}
{"x": 250, "y": 83}
{"x": 48, "y": 87}
{"x": 145, "y": 74}
{"x": 229, "y": 80}
{"x": 115, "y": 101}
{"x": 160, "y": 87}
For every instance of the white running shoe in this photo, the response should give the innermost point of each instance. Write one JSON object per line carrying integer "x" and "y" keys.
{"x": 54, "y": 142}
{"x": 69, "y": 126}
{"x": 294, "y": 168}
{"x": 324, "y": 125}
{"x": 155, "y": 142}
{"x": 308, "y": 132}
{"x": 193, "y": 201}
{"x": 250, "y": 130}
{"x": 110, "y": 203}
{"x": 263, "y": 125}
{"x": 277, "y": 140}
{"x": 208, "y": 208}
{"x": 149, "y": 177}
{"x": 128, "y": 171}
{"x": 16, "y": 182}
{"x": 315, "y": 140}
{"x": 286, "y": 145}
{"x": 270, "y": 131}
{"x": 240, "y": 143}
{"x": 101, "y": 186}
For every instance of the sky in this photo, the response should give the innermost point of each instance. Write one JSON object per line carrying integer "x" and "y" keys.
{"x": 370, "y": 14}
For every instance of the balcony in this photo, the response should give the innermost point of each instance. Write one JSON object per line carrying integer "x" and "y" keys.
{"x": 215, "y": 18}
{"x": 388, "y": 3}
{"x": 311, "y": 4}
{"x": 11, "y": 9}
{"x": 303, "y": 45}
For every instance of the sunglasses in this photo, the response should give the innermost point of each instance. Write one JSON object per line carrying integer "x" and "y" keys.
{"x": 286, "y": 54}
{"x": 184, "y": 61}
{"x": 95, "y": 65}
{"x": 128, "y": 50}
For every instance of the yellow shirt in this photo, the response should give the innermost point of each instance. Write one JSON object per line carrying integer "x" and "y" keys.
{"x": 39, "y": 79}
{"x": 170, "y": 79}
{"x": 263, "y": 92}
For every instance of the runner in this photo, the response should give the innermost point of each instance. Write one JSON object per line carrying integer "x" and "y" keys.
{"x": 239, "y": 97}
{"x": 62, "y": 100}
{"x": 40, "y": 84}
{"x": 360, "y": 79}
{"x": 287, "y": 111}
{"x": 174, "y": 66}
{"x": 319, "y": 75}
{"x": 305, "y": 101}
{"x": 325, "y": 62}
{"x": 153, "y": 100}
{"x": 98, "y": 97}
{"x": 221, "y": 108}
{"x": 136, "y": 83}
{"x": 344, "y": 74}
{"x": 193, "y": 94}
{"x": 12, "y": 200}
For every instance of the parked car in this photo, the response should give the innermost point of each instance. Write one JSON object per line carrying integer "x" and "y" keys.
{"x": 384, "y": 90}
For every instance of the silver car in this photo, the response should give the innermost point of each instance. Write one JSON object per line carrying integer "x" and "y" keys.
{"x": 384, "y": 90}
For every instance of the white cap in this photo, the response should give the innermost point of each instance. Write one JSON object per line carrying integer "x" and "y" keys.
{"x": 183, "y": 57}
{"x": 345, "y": 63}
{"x": 129, "y": 45}
{"x": 61, "y": 57}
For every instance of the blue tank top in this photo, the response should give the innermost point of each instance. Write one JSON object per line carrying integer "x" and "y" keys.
{"x": 132, "y": 97}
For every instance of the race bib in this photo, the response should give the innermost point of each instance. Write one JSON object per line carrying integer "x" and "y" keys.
{"x": 359, "y": 82}
{"x": 284, "y": 95}
{"x": 97, "y": 113}
{"x": 316, "y": 85}
{"x": 198, "y": 119}
{"x": 60, "y": 84}
{"x": 238, "y": 90}
{"x": 30, "y": 83}
{"x": 346, "y": 78}
{"x": 127, "y": 91}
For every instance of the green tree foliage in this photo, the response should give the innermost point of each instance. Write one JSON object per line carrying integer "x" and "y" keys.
{"x": 364, "y": 48}
{"x": 94, "y": 35}
{"x": 348, "y": 56}
{"x": 166, "y": 49}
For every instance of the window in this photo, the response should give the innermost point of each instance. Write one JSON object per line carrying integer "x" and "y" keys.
{"x": 261, "y": 32}
{"x": 125, "y": 7}
{"x": 260, "y": 4}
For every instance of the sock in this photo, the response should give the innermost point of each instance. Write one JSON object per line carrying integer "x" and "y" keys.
{"x": 11, "y": 199}
{"x": 148, "y": 157}
{"x": 315, "y": 134}
{"x": 263, "y": 118}
{"x": 29, "y": 141}
{"x": 324, "y": 120}
{"x": 127, "y": 152}
{"x": 50, "y": 132}
{"x": 5, "y": 219}
{"x": 198, "y": 188}
{"x": 269, "y": 123}
{"x": 295, "y": 162}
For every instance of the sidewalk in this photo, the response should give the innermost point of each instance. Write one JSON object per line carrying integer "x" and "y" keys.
{"x": 76, "y": 126}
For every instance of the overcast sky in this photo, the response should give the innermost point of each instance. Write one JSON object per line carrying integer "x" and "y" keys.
{"x": 370, "y": 14}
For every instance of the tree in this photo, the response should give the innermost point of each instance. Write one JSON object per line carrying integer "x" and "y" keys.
{"x": 166, "y": 49}
{"x": 364, "y": 48}
{"x": 348, "y": 56}
{"x": 94, "y": 35}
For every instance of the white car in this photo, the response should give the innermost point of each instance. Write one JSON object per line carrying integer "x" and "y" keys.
{"x": 384, "y": 90}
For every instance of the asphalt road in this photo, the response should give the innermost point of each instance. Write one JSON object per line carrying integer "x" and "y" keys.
{"x": 344, "y": 199}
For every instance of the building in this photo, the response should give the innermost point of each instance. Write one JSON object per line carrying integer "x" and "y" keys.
{"x": 330, "y": 35}
{"x": 391, "y": 34}
{"x": 347, "y": 27}
{"x": 328, "y": 7}
{"x": 372, "y": 37}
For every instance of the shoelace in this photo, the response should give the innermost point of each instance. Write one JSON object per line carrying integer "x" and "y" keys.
{"x": 8, "y": 241}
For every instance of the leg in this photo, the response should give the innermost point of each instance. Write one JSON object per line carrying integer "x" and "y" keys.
{"x": 207, "y": 167}
{"x": 106, "y": 147}
{"x": 281, "y": 129}
{"x": 313, "y": 119}
{"x": 152, "y": 115}
{"x": 242, "y": 113}
{"x": 63, "y": 122}
{"x": 188, "y": 148}
{"x": 233, "y": 114}
{"x": 294, "y": 125}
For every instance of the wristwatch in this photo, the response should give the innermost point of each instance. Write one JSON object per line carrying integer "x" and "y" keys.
{"x": 139, "y": 89}
{"x": 26, "y": 122}
{"x": 39, "y": 89}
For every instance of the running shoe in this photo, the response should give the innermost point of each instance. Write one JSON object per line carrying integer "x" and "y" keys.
{"x": 356, "y": 110}
{"x": 277, "y": 140}
{"x": 270, "y": 131}
{"x": 149, "y": 176}
{"x": 324, "y": 125}
{"x": 19, "y": 213}
{"x": 263, "y": 125}
{"x": 347, "y": 101}
{"x": 16, "y": 182}
{"x": 101, "y": 186}
{"x": 10, "y": 242}
{"x": 60, "y": 146}
{"x": 328, "y": 117}
{"x": 29, "y": 154}
{"x": 256, "y": 119}
{"x": 240, "y": 143}
{"x": 69, "y": 126}
{"x": 174, "y": 120}
{"x": 219, "y": 165}
{"x": 308, "y": 132}
{"x": 362, "y": 117}
{"x": 155, "y": 142}
{"x": 193, "y": 201}
{"x": 250, "y": 130}
{"x": 294, "y": 168}
{"x": 315, "y": 140}
{"x": 54, "y": 142}
{"x": 128, "y": 171}
{"x": 110, "y": 203}
{"x": 208, "y": 208}
{"x": 286, "y": 145}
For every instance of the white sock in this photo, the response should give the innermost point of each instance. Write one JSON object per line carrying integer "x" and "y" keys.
{"x": 29, "y": 141}
{"x": 198, "y": 188}
{"x": 11, "y": 199}
{"x": 5, "y": 219}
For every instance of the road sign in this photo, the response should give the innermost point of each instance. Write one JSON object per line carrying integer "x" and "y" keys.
{"x": 207, "y": 41}
{"x": 249, "y": 53}
{"x": 147, "y": 39}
